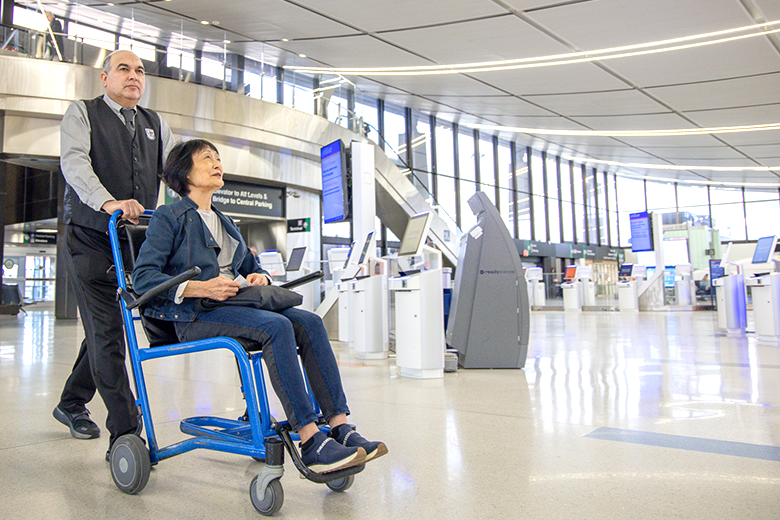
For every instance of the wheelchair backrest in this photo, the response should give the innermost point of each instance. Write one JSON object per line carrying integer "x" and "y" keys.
{"x": 158, "y": 332}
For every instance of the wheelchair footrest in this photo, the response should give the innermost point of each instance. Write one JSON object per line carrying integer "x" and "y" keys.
{"x": 319, "y": 478}
{"x": 217, "y": 428}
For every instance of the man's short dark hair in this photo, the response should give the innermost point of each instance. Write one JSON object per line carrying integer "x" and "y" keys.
{"x": 179, "y": 164}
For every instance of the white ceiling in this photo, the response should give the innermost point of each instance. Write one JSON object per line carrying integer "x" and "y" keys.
{"x": 735, "y": 83}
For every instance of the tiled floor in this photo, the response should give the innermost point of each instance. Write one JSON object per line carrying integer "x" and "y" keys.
{"x": 568, "y": 437}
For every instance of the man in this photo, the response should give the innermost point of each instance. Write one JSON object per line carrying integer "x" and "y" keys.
{"x": 111, "y": 154}
{"x": 59, "y": 41}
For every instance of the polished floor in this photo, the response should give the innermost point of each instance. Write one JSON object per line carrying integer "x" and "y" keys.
{"x": 615, "y": 416}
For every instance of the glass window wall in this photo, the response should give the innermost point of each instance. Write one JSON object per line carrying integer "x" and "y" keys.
{"x": 468, "y": 177}
{"x": 445, "y": 166}
{"x": 590, "y": 201}
{"x": 395, "y": 135}
{"x": 631, "y": 197}
{"x": 538, "y": 218}
{"x": 566, "y": 202}
{"x": 728, "y": 214}
{"x": 505, "y": 199}
{"x": 762, "y": 211}
{"x": 522, "y": 184}
{"x": 553, "y": 199}
{"x": 487, "y": 168}
{"x": 580, "y": 211}
{"x": 694, "y": 204}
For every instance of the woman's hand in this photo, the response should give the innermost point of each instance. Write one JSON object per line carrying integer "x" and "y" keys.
{"x": 219, "y": 288}
{"x": 257, "y": 279}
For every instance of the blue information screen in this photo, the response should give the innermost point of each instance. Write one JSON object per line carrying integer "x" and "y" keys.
{"x": 333, "y": 200}
{"x": 641, "y": 233}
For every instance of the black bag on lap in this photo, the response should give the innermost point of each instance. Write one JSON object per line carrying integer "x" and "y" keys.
{"x": 266, "y": 297}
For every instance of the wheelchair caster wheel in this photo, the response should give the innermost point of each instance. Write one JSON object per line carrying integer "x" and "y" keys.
{"x": 341, "y": 484}
{"x": 129, "y": 463}
{"x": 267, "y": 501}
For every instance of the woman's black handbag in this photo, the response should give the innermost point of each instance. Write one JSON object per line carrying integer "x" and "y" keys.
{"x": 266, "y": 297}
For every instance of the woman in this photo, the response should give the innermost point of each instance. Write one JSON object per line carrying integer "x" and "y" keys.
{"x": 191, "y": 232}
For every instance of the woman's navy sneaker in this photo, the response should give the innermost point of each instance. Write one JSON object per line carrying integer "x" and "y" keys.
{"x": 324, "y": 454}
{"x": 346, "y": 435}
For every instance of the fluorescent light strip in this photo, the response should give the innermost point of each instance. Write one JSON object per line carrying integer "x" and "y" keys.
{"x": 674, "y": 166}
{"x": 628, "y": 133}
{"x": 545, "y": 61}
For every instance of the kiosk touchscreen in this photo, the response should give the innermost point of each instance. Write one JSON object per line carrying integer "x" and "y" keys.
{"x": 571, "y": 271}
{"x": 625, "y": 270}
{"x": 765, "y": 249}
{"x": 295, "y": 261}
{"x": 353, "y": 265}
{"x": 413, "y": 242}
{"x": 415, "y": 234}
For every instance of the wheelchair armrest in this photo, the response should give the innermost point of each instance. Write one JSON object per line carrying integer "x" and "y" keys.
{"x": 154, "y": 291}
{"x": 316, "y": 275}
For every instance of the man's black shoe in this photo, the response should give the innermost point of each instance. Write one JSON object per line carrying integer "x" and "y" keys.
{"x": 81, "y": 426}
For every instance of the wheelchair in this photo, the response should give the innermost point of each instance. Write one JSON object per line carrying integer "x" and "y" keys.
{"x": 257, "y": 434}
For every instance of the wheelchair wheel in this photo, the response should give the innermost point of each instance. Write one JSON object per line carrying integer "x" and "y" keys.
{"x": 267, "y": 501}
{"x": 341, "y": 484}
{"x": 129, "y": 463}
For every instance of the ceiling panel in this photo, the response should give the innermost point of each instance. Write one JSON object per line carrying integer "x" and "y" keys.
{"x": 721, "y": 94}
{"x": 436, "y": 85}
{"x": 752, "y": 138}
{"x": 757, "y": 115}
{"x": 702, "y": 155}
{"x": 489, "y": 106}
{"x": 671, "y": 141}
{"x": 380, "y": 15}
{"x": 258, "y": 19}
{"x": 634, "y": 122}
{"x": 502, "y": 38}
{"x": 763, "y": 151}
{"x": 632, "y": 22}
{"x": 600, "y": 103}
{"x": 353, "y": 51}
{"x": 734, "y": 59}
{"x": 576, "y": 78}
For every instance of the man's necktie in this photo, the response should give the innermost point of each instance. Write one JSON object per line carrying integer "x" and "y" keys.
{"x": 128, "y": 113}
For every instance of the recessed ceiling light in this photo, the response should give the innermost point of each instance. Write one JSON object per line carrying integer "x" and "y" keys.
{"x": 204, "y": 22}
{"x": 301, "y": 55}
{"x": 285, "y": 40}
{"x": 215, "y": 22}
{"x": 225, "y": 41}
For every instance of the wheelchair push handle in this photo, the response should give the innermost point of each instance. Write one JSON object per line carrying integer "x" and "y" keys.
{"x": 189, "y": 274}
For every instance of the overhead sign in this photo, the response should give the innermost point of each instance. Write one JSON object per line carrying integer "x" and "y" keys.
{"x": 250, "y": 199}
{"x": 299, "y": 225}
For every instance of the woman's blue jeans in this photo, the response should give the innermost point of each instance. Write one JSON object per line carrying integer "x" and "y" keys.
{"x": 280, "y": 333}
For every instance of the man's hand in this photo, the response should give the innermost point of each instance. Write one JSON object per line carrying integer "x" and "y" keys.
{"x": 131, "y": 209}
{"x": 257, "y": 279}
{"x": 219, "y": 288}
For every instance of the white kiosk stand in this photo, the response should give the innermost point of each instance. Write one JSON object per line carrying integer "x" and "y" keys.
{"x": 628, "y": 291}
{"x": 368, "y": 297}
{"x": 766, "y": 292}
{"x": 730, "y": 296}
{"x": 419, "y": 306}
{"x": 536, "y": 290}
{"x": 580, "y": 291}
{"x": 684, "y": 286}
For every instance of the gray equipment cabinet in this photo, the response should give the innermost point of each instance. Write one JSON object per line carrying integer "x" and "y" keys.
{"x": 490, "y": 315}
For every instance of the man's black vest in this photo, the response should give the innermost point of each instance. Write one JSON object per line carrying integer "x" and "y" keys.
{"x": 127, "y": 166}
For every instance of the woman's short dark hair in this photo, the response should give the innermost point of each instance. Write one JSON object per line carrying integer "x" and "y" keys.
{"x": 179, "y": 164}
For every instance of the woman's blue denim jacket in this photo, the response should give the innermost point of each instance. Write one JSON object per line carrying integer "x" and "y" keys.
{"x": 176, "y": 240}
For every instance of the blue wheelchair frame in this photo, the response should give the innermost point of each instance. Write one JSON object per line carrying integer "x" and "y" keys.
{"x": 260, "y": 437}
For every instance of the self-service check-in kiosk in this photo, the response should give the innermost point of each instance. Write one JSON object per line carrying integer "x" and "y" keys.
{"x": 273, "y": 262}
{"x": 368, "y": 304}
{"x": 490, "y": 316}
{"x": 578, "y": 288}
{"x": 628, "y": 290}
{"x": 419, "y": 304}
{"x": 534, "y": 279}
{"x": 765, "y": 288}
{"x": 730, "y": 296}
